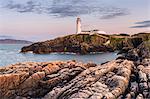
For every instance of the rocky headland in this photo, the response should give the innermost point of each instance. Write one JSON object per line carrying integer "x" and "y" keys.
{"x": 127, "y": 77}
{"x": 87, "y": 43}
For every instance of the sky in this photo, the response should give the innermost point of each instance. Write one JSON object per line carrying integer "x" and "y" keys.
{"x": 38, "y": 20}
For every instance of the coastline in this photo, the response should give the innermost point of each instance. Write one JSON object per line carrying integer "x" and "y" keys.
{"x": 121, "y": 78}
{"x": 10, "y": 55}
{"x": 75, "y": 49}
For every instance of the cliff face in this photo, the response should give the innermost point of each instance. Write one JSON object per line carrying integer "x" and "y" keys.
{"x": 139, "y": 53}
{"x": 77, "y": 43}
{"x": 144, "y": 36}
{"x": 118, "y": 79}
{"x": 85, "y": 43}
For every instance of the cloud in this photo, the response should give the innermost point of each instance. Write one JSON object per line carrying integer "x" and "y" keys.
{"x": 28, "y": 6}
{"x": 115, "y": 14}
{"x": 142, "y": 24}
{"x": 68, "y": 8}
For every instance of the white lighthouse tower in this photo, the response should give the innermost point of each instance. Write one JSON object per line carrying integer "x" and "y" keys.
{"x": 78, "y": 26}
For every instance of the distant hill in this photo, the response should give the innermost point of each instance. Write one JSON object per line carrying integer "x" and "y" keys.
{"x": 14, "y": 41}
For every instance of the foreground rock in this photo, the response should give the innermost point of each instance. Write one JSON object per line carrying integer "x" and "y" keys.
{"x": 72, "y": 80}
{"x": 139, "y": 86}
{"x": 65, "y": 80}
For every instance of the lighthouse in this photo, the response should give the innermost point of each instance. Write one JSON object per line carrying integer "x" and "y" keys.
{"x": 78, "y": 26}
{"x": 91, "y": 32}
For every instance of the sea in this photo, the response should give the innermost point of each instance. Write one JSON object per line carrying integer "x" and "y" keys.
{"x": 10, "y": 54}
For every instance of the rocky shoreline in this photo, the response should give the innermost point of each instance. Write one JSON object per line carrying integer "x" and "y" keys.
{"x": 87, "y": 43}
{"x": 127, "y": 77}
